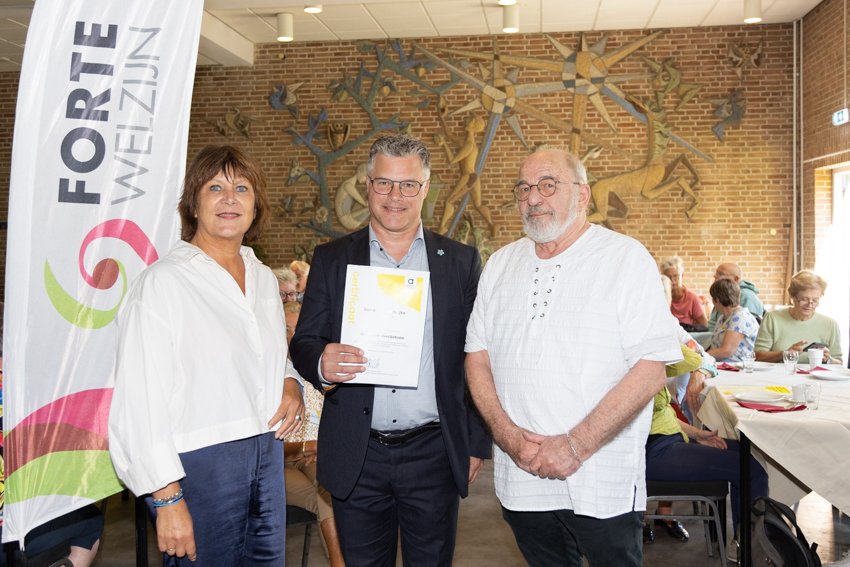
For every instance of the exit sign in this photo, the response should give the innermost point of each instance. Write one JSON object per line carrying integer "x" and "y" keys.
{"x": 840, "y": 117}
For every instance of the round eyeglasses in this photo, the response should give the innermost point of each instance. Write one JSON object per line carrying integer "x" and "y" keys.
{"x": 407, "y": 187}
{"x": 546, "y": 187}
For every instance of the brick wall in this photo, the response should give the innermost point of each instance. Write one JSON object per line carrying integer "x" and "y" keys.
{"x": 745, "y": 192}
{"x": 824, "y": 91}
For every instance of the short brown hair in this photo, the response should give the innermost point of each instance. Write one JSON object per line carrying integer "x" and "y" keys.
{"x": 233, "y": 162}
{"x": 725, "y": 292}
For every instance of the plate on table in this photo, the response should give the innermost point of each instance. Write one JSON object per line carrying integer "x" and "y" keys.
{"x": 759, "y": 365}
{"x": 837, "y": 374}
{"x": 761, "y": 397}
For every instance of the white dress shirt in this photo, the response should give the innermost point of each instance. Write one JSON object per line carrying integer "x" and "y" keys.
{"x": 199, "y": 363}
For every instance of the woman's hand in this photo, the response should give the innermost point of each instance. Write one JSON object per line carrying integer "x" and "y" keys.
{"x": 708, "y": 438}
{"x": 290, "y": 412}
{"x": 174, "y": 532}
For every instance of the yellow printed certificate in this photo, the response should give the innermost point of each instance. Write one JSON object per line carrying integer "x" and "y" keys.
{"x": 384, "y": 314}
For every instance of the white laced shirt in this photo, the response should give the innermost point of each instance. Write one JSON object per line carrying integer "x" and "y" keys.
{"x": 560, "y": 333}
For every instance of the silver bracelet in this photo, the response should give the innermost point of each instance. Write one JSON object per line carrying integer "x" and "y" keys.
{"x": 573, "y": 449}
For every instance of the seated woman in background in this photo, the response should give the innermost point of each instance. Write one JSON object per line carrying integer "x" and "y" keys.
{"x": 299, "y": 460}
{"x": 735, "y": 333}
{"x": 670, "y": 455}
{"x": 686, "y": 305}
{"x": 799, "y": 326}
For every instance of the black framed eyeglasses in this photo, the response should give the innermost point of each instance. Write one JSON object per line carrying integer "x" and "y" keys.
{"x": 289, "y": 296}
{"x": 546, "y": 187}
{"x": 407, "y": 187}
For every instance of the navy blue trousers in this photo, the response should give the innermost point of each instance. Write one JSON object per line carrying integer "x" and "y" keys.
{"x": 668, "y": 457}
{"x": 235, "y": 494}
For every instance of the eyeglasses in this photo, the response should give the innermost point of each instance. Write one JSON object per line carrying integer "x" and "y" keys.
{"x": 546, "y": 187}
{"x": 807, "y": 300}
{"x": 407, "y": 187}
{"x": 289, "y": 295}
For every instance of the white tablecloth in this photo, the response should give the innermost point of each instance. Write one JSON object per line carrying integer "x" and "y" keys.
{"x": 808, "y": 449}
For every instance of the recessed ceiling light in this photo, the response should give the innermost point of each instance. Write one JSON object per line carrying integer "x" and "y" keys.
{"x": 507, "y": 2}
{"x": 313, "y": 9}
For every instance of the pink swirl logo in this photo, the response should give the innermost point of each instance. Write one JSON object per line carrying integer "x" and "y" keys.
{"x": 104, "y": 275}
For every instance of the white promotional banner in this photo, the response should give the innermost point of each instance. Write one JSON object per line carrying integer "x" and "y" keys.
{"x": 97, "y": 163}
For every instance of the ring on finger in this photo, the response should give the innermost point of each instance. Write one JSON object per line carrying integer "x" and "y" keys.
{"x": 297, "y": 418}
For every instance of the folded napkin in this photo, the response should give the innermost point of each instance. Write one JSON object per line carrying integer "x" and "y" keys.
{"x": 769, "y": 408}
{"x": 801, "y": 371}
{"x": 729, "y": 367}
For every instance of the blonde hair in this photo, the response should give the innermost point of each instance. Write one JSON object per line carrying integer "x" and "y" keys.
{"x": 672, "y": 262}
{"x": 806, "y": 279}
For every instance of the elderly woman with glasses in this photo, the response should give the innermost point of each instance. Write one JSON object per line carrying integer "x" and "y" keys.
{"x": 799, "y": 326}
{"x": 287, "y": 283}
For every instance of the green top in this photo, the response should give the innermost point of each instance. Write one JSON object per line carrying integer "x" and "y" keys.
{"x": 779, "y": 331}
{"x": 664, "y": 419}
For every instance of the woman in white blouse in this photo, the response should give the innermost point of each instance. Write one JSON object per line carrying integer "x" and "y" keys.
{"x": 202, "y": 389}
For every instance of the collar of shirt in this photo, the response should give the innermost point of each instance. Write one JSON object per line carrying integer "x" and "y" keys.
{"x": 373, "y": 242}
{"x": 185, "y": 251}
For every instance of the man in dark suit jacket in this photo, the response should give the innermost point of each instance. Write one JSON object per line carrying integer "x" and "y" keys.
{"x": 394, "y": 458}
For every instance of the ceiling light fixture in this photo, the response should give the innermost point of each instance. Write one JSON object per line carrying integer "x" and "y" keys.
{"x": 507, "y": 2}
{"x": 313, "y": 9}
{"x": 285, "y": 27}
{"x": 752, "y": 11}
{"x": 510, "y": 18}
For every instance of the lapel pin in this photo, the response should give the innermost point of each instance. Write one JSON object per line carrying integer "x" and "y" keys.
{"x": 440, "y": 252}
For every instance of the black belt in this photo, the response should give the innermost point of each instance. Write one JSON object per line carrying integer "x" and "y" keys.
{"x": 392, "y": 438}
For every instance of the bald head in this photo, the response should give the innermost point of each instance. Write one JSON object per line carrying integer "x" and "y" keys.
{"x": 728, "y": 271}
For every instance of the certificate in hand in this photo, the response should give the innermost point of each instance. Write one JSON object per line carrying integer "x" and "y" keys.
{"x": 384, "y": 314}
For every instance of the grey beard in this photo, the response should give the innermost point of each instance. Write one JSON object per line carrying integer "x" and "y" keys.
{"x": 541, "y": 233}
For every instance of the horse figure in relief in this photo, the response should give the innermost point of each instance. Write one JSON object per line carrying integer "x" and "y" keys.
{"x": 651, "y": 180}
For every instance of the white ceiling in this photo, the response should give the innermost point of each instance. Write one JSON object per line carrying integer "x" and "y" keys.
{"x": 231, "y": 27}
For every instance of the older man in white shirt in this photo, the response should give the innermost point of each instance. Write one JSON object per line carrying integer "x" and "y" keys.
{"x": 566, "y": 348}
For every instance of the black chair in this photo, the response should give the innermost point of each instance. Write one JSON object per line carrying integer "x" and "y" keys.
{"x": 709, "y": 500}
{"x": 297, "y": 516}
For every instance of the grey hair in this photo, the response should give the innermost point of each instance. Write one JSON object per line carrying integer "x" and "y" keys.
{"x": 285, "y": 275}
{"x": 400, "y": 145}
{"x": 572, "y": 161}
{"x": 672, "y": 262}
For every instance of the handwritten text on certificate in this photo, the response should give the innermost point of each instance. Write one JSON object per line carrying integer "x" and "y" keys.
{"x": 384, "y": 314}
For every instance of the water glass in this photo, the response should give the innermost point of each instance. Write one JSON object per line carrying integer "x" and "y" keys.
{"x": 789, "y": 358}
{"x": 748, "y": 360}
{"x": 812, "y": 395}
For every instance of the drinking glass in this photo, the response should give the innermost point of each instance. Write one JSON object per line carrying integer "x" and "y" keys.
{"x": 789, "y": 358}
{"x": 812, "y": 395}
{"x": 748, "y": 361}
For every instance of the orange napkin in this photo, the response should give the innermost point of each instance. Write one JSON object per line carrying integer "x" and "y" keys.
{"x": 769, "y": 408}
{"x": 801, "y": 371}
{"x": 729, "y": 367}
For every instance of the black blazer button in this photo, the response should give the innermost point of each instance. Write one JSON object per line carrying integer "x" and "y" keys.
{"x": 366, "y": 411}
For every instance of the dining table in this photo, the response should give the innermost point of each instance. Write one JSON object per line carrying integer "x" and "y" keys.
{"x": 803, "y": 449}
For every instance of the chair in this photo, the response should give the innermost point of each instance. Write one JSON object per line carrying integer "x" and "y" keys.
{"x": 297, "y": 516}
{"x": 709, "y": 499}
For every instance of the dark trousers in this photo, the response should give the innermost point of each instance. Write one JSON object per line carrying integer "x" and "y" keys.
{"x": 560, "y": 538}
{"x": 407, "y": 488}
{"x": 236, "y": 497}
{"x": 668, "y": 457}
